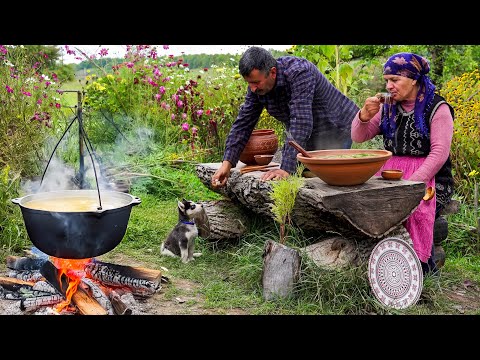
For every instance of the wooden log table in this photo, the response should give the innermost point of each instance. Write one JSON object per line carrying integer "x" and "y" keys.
{"x": 372, "y": 209}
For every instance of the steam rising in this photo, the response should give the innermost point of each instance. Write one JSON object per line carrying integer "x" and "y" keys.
{"x": 61, "y": 176}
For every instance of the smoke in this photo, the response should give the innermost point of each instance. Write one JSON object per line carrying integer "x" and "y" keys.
{"x": 58, "y": 176}
{"x": 108, "y": 160}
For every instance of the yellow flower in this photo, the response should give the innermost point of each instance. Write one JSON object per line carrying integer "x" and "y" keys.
{"x": 473, "y": 173}
{"x": 99, "y": 87}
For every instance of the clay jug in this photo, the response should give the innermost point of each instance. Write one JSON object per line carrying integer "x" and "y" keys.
{"x": 261, "y": 142}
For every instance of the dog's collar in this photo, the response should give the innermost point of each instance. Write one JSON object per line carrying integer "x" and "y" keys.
{"x": 188, "y": 222}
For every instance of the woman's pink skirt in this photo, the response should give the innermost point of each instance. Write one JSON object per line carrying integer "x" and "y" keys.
{"x": 420, "y": 223}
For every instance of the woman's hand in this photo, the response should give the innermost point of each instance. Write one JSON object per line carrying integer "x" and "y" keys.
{"x": 370, "y": 108}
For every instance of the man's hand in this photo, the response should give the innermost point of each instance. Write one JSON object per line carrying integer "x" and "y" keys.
{"x": 219, "y": 179}
{"x": 275, "y": 174}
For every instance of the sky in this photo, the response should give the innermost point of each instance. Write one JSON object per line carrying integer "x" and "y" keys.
{"x": 119, "y": 50}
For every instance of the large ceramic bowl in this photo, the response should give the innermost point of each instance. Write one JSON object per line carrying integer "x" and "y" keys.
{"x": 345, "y": 167}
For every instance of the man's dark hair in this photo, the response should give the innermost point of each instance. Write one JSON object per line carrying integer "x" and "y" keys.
{"x": 256, "y": 58}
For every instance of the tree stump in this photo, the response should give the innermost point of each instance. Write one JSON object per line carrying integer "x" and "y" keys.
{"x": 281, "y": 270}
{"x": 338, "y": 251}
{"x": 226, "y": 221}
{"x": 334, "y": 252}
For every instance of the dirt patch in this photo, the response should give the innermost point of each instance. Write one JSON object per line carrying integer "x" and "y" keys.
{"x": 464, "y": 299}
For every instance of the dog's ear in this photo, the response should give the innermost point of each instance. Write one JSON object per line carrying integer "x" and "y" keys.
{"x": 181, "y": 206}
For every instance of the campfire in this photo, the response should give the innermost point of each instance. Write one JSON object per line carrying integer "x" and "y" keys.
{"x": 76, "y": 286}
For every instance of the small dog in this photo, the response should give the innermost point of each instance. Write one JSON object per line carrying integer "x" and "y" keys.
{"x": 181, "y": 240}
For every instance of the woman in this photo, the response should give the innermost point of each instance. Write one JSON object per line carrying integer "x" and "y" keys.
{"x": 417, "y": 127}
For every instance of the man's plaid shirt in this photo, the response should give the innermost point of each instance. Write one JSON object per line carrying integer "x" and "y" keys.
{"x": 312, "y": 109}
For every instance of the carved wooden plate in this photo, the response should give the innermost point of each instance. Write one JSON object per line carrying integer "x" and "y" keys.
{"x": 395, "y": 273}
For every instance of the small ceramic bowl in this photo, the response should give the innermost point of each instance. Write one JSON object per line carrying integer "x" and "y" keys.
{"x": 392, "y": 174}
{"x": 263, "y": 159}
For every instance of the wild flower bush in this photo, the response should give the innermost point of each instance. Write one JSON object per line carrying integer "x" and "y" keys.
{"x": 29, "y": 98}
{"x": 193, "y": 111}
{"x": 463, "y": 93}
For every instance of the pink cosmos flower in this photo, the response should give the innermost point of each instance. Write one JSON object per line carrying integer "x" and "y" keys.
{"x": 9, "y": 89}
{"x": 185, "y": 126}
{"x": 103, "y": 52}
{"x": 151, "y": 82}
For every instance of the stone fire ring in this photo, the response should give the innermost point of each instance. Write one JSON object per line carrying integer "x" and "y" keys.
{"x": 395, "y": 273}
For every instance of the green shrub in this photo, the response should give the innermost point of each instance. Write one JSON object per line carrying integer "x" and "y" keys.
{"x": 12, "y": 232}
{"x": 463, "y": 93}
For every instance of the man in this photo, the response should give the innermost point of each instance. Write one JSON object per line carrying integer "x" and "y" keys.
{"x": 295, "y": 92}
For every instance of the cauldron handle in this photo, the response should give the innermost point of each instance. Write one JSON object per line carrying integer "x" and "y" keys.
{"x": 55, "y": 149}
{"x": 89, "y": 145}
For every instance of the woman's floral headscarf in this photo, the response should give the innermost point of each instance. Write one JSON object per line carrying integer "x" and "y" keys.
{"x": 414, "y": 67}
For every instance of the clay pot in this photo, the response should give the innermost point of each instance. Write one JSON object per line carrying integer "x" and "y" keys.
{"x": 261, "y": 142}
{"x": 263, "y": 159}
{"x": 344, "y": 167}
{"x": 393, "y": 174}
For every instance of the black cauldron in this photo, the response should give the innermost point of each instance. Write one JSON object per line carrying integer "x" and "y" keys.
{"x": 77, "y": 235}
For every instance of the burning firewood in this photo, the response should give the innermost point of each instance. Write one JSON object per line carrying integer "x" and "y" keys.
{"x": 45, "y": 287}
{"x": 30, "y": 304}
{"x": 119, "y": 306}
{"x": 14, "y": 284}
{"x": 25, "y": 275}
{"x": 139, "y": 280}
{"x": 85, "y": 304}
{"x": 24, "y": 263}
{"x": 97, "y": 293}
